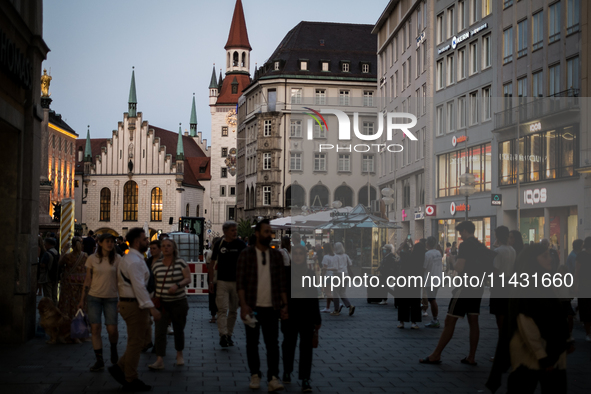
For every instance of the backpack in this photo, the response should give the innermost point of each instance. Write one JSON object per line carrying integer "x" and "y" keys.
{"x": 54, "y": 272}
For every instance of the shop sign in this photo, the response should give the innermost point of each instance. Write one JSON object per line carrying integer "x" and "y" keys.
{"x": 404, "y": 215}
{"x": 421, "y": 38}
{"x": 453, "y": 208}
{"x": 431, "y": 210}
{"x": 535, "y": 196}
{"x": 535, "y": 127}
{"x": 458, "y": 39}
{"x": 457, "y": 140}
{"x": 496, "y": 199}
{"x": 15, "y": 63}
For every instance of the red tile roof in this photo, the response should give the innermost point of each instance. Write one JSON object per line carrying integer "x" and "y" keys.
{"x": 170, "y": 140}
{"x": 192, "y": 171}
{"x": 238, "y": 37}
{"x": 226, "y": 96}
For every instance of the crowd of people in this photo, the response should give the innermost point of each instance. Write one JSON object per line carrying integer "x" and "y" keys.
{"x": 106, "y": 276}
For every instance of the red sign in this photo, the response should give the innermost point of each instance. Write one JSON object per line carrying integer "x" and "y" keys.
{"x": 431, "y": 210}
{"x": 456, "y": 140}
{"x": 453, "y": 208}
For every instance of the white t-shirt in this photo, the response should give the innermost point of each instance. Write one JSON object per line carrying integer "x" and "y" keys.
{"x": 433, "y": 264}
{"x": 330, "y": 263}
{"x": 104, "y": 276}
{"x": 343, "y": 262}
{"x": 504, "y": 261}
{"x": 264, "y": 296}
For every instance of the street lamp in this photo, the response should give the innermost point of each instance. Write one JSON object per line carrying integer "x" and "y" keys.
{"x": 467, "y": 189}
{"x": 337, "y": 204}
{"x": 387, "y": 199}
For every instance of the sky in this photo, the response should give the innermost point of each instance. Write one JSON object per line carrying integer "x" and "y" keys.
{"x": 172, "y": 45}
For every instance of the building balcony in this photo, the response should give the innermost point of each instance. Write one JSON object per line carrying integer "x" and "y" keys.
{"x": 532, "y": 108}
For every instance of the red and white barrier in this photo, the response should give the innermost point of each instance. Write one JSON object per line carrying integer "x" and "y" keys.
{"x": 198, "y": 284}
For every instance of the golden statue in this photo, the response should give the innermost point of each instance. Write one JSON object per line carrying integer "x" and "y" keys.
{"x": 45, "y": 79}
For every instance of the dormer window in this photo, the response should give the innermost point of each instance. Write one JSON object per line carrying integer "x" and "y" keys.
{"x": 365, "y": 68}
{"x": 276, "y": 66}
{"x": 345, "y": 67}
{"x": 303, "y": 65}
{"x": 325, "y": 66}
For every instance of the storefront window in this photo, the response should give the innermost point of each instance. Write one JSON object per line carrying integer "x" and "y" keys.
{"x": 542, "y": 156}
{"x": 532, "y": 229}
{"x": 452, "y": 165}
{"x": 447, "y": 231}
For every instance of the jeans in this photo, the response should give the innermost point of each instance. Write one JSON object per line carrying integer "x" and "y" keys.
{"x": 290, "y": 329}
{"x": 175, "y": 312}
{"x": 227, "y": 303}
{"x": 138, "y": 322}
{"x": 268, "y": 319}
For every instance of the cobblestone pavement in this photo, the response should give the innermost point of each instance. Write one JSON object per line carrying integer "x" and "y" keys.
{"x": 364, "y": 353}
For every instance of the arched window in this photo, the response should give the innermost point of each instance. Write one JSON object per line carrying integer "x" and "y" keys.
{"x": 105, "y": 214}
{"x": 243, "y": 59}
{"x": 319, "y": 196}
{"x": 130, "y": 201}
{"x": 187, "y": 211}
{"x": 362, "y": 197}
{"x": 344, "y": 194}
{"x": 253, "y": 201}
{"x": 156, "y": 205}
{"x": 295, "y": 196}
{"x": 247, "y": 202}
{"x": 228, "y": 61}
{"x": 197, "y": 210}
{"x": 235, "y": 60}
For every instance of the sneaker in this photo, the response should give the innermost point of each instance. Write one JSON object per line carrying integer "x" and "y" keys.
{"x": 255, "y": 382}
{"x": 414, "y": 326}
{"x": 433, "y": 324}
{"x": 384, "y": 302}
{"x": 401, "y": 325}
{"x": 230, "y": 341}
{"x": 306, "y": 388}
{"x": 351, "y": 310}
{"x": 275, "y": 384}
{"x": 325, "y": 310}
{"x": 224, "y": 341}
{"x": 136, "y": 385}
{"x": 98, "y": 366}
{"x": 335, "y": 313}
{"x": 117, "y": 374}
{"x": 286, "y": 377}
{"x": 425, "y": 313}
{"x": 169, "y": 330}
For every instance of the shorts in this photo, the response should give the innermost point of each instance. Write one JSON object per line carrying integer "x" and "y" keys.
{"x": 462, "y": 306}
{"x": 431, "y": 294}
{"x": 499, "y": 306}
{"x": 98, "y": 306}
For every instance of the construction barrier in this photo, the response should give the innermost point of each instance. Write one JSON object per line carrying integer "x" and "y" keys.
{"x": 198, "y": 284}
{"x": 66, "y": 224}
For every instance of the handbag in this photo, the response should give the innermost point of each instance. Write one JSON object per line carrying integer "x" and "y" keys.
{"x": 80, "y": 328}
{"x": 315, "y": 339}
{"x": 157, "y": 301}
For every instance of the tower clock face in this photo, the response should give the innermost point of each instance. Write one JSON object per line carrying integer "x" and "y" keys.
{"x": 231, "y": 118}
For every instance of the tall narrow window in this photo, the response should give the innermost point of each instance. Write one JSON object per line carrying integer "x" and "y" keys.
{"x": 461, "y": 15}
{"x": 440, "y": 74}
{"x": 187, "y": 210}
{"x": 296, "y": 96}
{"x": 522, "y": 38}
{"x": 320, "y": 162}
{"x": 572, "y": 73}
{"x": 344, "y": 162}
{"x": 296, "y": 128}
{"x": 266, "y": 161}
{"x": 105, "y": 214}
{"x": 267, "y": 128}
{"x": 224, "y": 131}
{"x": 367, "y": 164}
{"x": 450, "y": 117}
{"x": 439, "y": 124}
{"x": 461, "y": 112}
{"x": 368, "y": 99}
{"x": 538, "y": 84}
{"x": 344, "y": 97}
{"x": 572, "y": 16}
{"x": 130, "y": 201}
{"x": 537, "y": 30}
{"x": 439, "y": 28}
{"x": 266, "y": 195}
{"x": 450, "y": 22}
{"x": 486, "y": 7}
{"x": 156, "y": 205}
{"x": 462, "y": 63}
{"x": 486, "y": 103}
{"x": 508, "y": 45}
{"x": 554, "y": 80}
{"x": 554, "y": 22}
{"x": 474, "y": 108}
{"x": 295, "y": 162}
{"x": 451, "y": 70}
{"x": 474, "y": 57}
{"x": 320, "y": 97}
{"x": 473, "y": 11}
{"x": 486, "y": 52}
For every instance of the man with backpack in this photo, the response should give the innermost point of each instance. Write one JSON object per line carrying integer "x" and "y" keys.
{"x": 50, "y": 264}
{"x": 474, "y": 259}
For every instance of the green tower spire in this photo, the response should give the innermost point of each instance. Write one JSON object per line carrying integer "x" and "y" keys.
{"x": 87, "y": 148}
{"x": 132, "y": 108}
{"x": 221, "y": 80}
{"x": 193, "y": 122}
{"x": 213, "y": 84}
{"x": 180, "y": 152}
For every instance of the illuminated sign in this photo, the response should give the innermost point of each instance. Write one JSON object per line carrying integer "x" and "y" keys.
{"x": 535, "y": 127}
{"x": 496, "y": 199}
{"x": 535, "y": 196}
{"x": 431, "y": 210}
{"x": 453, "y": 208}
{"x": 457, "y": 140}
{"x": 462, "y": 37}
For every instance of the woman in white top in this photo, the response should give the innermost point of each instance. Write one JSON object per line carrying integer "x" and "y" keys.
{"x": 329, "y": 265}
{"x": 340, "y": 293}
{"x": 101, "y": 286}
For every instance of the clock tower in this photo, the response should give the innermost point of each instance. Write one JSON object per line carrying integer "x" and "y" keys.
{"x": 223, "y": 100}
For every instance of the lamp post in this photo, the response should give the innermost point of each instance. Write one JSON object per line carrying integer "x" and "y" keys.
{"x": 387, "y": 199}
{"x": 467, "y": 189}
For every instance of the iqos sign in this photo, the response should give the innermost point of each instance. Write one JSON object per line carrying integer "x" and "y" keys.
{"x": 536, "y": 196}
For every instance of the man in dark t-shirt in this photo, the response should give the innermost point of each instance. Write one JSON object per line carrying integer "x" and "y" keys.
{"x": 223, "y": 261}
{"x": 466, "y": 299}
{"x": 89, "y": 244}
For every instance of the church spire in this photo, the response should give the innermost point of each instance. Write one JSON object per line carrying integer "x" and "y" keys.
{"x": 238, "y": 37}
{"x": 132, "y": 108}
{"x": 87, "y": 148}
{"x": 180, "y": 152}
{"x": 213, "y": 84}
{"x": 220, "y": 80}
{"x": 193, "y": 121}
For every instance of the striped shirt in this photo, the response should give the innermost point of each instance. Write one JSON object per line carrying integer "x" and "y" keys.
{"x": 175, "y": 275}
